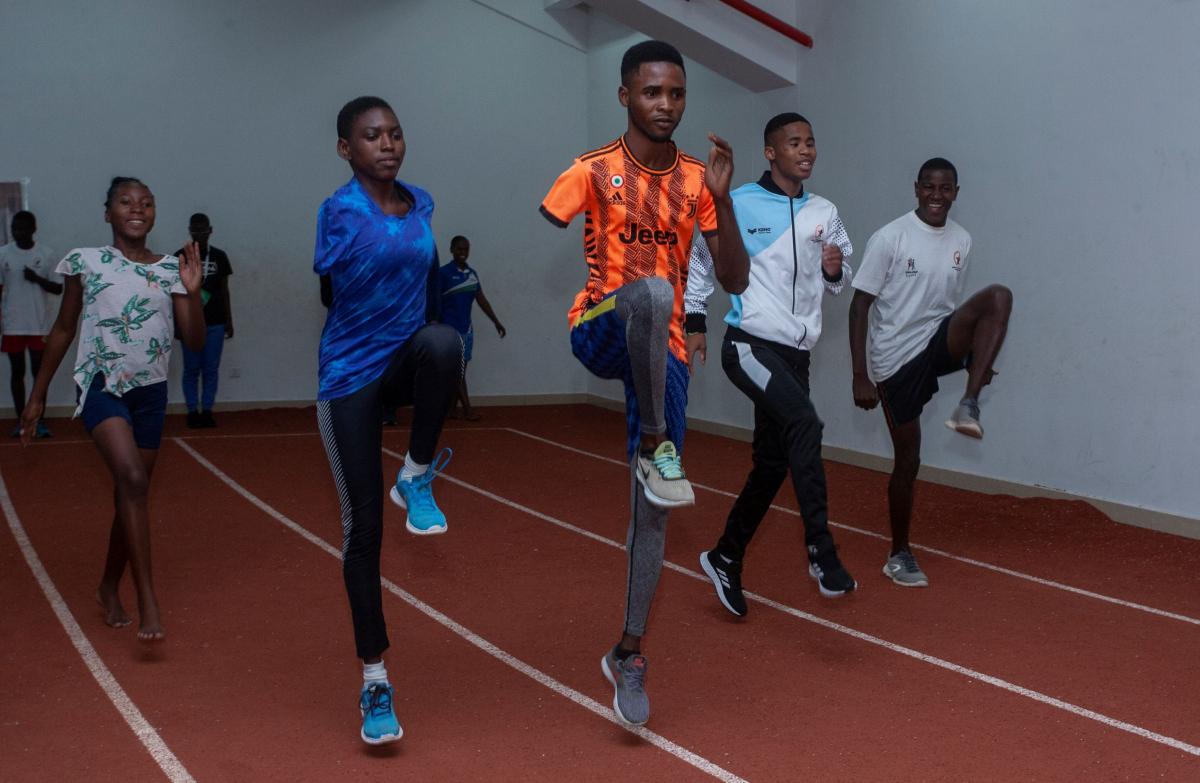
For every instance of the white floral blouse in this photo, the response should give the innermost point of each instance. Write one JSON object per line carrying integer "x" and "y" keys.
{"x": 128, "y": 318}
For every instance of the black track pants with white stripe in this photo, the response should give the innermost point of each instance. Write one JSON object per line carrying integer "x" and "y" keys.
{"x": 787, "y": 436}
{"x": 425, "y": 372}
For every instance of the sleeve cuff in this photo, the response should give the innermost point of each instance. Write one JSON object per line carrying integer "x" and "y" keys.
{"x": 695, "y": 323}
{"x": 549, "y": 216}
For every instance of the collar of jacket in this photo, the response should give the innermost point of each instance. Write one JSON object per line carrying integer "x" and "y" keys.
{"x": 766, "y": 183}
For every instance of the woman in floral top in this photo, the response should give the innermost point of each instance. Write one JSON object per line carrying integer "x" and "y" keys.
{"x": 129, "y": 299}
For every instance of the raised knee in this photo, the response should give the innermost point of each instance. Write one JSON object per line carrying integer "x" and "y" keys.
{"x": 442, "y": 342}
{"x": 661, "y": 292}
{"x": 1001, "y": 298}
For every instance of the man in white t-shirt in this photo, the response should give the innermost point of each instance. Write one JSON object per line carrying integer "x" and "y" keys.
{"x": 910, "y": 279}
{"x": 26, "y": 277}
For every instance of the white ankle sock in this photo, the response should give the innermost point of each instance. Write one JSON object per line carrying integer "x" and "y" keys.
{"x": 411, "y": 469}
{"x": 374, "y": 672}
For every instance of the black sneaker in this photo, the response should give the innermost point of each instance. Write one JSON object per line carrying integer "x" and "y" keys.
{"x": 825, "y": 567}
{"x": 206, "y": 419}
{"x": 193, "y": 420}
{"x": 726, "y": 576}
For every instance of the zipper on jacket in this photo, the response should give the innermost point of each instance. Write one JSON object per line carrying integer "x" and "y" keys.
{"x": 795, "y": 258}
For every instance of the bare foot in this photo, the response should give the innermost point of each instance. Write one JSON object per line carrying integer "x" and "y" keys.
{"x": 472, "y": 416}
{"x": 150, "y": 629}
{"x": 110, "y": 602}
{"x": 151, "y": 633}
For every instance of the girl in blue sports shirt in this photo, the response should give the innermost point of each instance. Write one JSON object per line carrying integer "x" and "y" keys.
{"x": 378, "y": 348}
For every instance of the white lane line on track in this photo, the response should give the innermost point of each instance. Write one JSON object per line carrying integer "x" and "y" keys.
{"x": 941, "y": 553}
{"x": 860, "y": 531}
{"x": 603, "y": 711}
{"x": 170, "y": 764}
{"x": 860, "y": 635}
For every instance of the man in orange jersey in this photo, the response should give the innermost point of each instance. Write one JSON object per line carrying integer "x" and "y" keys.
{"x": 642, "y": 199}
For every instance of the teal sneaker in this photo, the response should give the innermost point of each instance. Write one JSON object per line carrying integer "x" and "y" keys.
{"x": 42, "y": 430}
{"x": 379, "y": 719}
{"x": 416, "y": 495}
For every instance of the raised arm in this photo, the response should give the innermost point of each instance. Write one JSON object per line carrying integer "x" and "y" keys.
{"x": 188, "y": 307}
{"x": 730, "y": 261}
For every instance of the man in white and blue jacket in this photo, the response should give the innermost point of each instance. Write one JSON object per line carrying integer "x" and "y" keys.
{"x": 780, "y": 249}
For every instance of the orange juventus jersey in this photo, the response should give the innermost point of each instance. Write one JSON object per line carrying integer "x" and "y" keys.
{"x": 638, "y": 222}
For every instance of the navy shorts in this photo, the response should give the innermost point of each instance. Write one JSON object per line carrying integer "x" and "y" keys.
{"x": 904, "y": 395}
{"x": 142, "y": 406}
{"x": 598, "y": 342}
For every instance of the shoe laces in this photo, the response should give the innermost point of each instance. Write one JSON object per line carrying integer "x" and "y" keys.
{"x": 379, "y": 700}
{"x": 666, "y": 461}
{"x": 423, "y": 495}
{"x": 633, "y": 672}
{"x": 908, "y": 562}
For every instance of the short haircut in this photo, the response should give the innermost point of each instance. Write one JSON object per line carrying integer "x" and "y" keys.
{"x": 778, "y": 121}
{"x": 355, "y": 109}
{"x": 199, "y": 219}
{"x": 937, "y": 164}
{"x": 116, "y": 183}
{"x": 25, "y": 214}
{"x": 648, "y": 52}
{"x": 459, "y": 238}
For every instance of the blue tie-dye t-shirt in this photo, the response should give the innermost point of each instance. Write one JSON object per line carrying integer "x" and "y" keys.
{"x": 379, "y": 266}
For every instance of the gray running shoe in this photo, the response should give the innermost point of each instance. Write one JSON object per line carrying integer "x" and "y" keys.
{"x": 965, "y": 419}
{"x": 902, "y": 568}
{"x": 628, "y": 678}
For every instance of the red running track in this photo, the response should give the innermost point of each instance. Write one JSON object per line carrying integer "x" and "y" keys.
{"x": 984, "y": 676}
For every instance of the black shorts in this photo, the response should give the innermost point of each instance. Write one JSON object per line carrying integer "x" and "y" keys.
{"x": 905, "y": 393}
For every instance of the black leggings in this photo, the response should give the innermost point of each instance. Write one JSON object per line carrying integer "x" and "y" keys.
{"x": 425, "y": 371}
{"x": 787, "y": 436}
{"x": 17, "y": 379}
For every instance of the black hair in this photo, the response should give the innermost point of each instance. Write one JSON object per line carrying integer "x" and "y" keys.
{"x": 199, "y": 219}
{"x": 937, "y": 164}
{"x": 355, "y": 109}
{"x": 648, "y": 52}
{"x": 25, "y": 214}
{"x": 457, "y": 238}
{"x": 778, "y": 121}
{"x": 116, "y": 183}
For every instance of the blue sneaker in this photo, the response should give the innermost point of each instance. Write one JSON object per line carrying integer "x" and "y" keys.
{"x": 42, "y": 430}
{"x": 379, "y": 719}
{"x": 416, "y": 495}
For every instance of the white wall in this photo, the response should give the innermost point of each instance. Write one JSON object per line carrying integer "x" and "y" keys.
{"x": 228, "y": 108}
{"x": 1073, "y": 127}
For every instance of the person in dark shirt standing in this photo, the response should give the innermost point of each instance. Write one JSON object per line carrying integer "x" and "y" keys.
{"x": 203, "y": 368}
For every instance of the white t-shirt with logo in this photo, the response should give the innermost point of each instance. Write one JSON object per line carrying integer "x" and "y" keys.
{"x": 25, "y": 307}
{"x": 127, "y": 318}
{"x": 916, "y": 272}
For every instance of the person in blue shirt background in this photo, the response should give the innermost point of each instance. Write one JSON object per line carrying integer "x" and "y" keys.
{"x": 460, "y": 290}
{"x": 375, "y": 242}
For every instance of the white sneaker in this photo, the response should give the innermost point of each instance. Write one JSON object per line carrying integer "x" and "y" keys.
{"x": 662, "y": 478}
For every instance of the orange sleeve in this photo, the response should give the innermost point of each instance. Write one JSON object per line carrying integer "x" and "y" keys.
{"x": 568, "y": 195}
{"x": 706, "y": 213}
